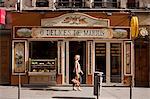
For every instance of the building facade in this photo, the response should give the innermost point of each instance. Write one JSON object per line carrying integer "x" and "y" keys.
{"x": 142, "y": 51}
{"x": 45, "y": 35}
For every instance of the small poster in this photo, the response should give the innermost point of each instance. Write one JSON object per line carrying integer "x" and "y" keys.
{"x": 128, "y": 58}
{"x": 19, "y": 57}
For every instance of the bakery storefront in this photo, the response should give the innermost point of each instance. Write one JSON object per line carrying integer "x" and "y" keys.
{"x": 44, "y": 54}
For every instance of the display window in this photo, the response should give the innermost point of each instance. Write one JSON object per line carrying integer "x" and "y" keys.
{"x": 108, "y": 59}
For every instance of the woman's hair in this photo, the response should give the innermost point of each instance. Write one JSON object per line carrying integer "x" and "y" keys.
{"x": 77, "y": 57}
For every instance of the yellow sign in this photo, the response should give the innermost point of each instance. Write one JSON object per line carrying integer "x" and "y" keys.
{"x": 134, "y": 27}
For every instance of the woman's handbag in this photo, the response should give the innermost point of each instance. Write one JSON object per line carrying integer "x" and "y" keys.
{"x": 75, "y": 81}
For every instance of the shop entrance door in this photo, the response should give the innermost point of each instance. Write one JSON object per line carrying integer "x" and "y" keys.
{"x": 79, "y": 48}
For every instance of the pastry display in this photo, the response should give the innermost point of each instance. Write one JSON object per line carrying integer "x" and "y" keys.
{"x": 43, "y": 65}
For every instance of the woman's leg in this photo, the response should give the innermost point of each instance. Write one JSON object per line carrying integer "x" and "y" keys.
{"x": 80, "y": 81}
{"x": 74, "y": 85}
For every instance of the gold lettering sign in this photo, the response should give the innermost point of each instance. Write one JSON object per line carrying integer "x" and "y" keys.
{"x": 54, "y": 32}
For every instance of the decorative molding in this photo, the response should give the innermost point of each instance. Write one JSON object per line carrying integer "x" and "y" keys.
{"x": 75, "y": 19}
{"x": 53, "y": 32}
{"x": 143, "y": 31}
{"x": 24, "y": 32}
{"x": 120, "y": 33}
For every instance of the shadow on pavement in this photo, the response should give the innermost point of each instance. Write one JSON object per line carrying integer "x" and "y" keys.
{"x": 45, "y": 89}
{"x": 57, "y": 97}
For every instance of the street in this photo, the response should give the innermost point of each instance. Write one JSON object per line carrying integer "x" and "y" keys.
{"x": 11, "y": 92}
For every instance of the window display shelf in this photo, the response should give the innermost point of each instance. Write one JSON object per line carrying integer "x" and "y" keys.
{"x": 42, "y": 73}
{"x": 42, "y": 66}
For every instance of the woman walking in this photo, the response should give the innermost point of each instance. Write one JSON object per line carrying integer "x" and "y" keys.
{"x": 77, "y": 73}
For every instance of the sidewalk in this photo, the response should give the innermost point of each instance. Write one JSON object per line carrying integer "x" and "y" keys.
{"x": 11, "y": 92}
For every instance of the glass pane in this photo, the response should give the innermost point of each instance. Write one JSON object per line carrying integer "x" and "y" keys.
{"x": 63, "y": 3}
{"x": 111, "y": 3}
{"x": 100, "y": 58}
{"x": 132, "y": 4}
{"x": 115, "y": 59}
{"x": 98, "y": 3}
{"x": 77, "y": 3}
{"x": 42, "y": 3}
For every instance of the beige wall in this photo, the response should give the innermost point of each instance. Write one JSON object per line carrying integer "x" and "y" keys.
{"x": 144, "y": 19}
{"x": 123, "y": 3}
{"x": 144, "y": 3}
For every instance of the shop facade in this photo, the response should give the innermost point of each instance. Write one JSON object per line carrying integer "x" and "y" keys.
{"x": 44, "y": 46}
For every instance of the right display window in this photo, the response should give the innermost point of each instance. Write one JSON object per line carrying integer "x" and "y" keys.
{"x": 115, "y": 62}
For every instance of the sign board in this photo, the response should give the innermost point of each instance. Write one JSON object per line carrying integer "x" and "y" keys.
{"x": 55, "y": 32}
{"x": 58, "y": 32}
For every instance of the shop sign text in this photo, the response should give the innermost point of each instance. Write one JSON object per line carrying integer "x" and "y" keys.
{"x": 54, "y": 32}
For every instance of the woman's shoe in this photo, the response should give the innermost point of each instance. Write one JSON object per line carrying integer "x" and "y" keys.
{"x": 79, "y": 89}
{"x": 74, "y": 88}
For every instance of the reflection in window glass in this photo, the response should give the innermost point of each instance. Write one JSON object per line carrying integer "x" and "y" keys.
{"x": 42, "y": 50}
